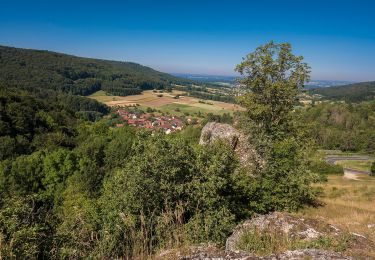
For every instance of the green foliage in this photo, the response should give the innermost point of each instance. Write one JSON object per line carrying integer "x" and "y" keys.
{"x": 196, "y": 182}
{"x": 372, "y": 170}
{"x": 22, "y": 176}
{"x": 342, "y": 126}
{"x": 119, "y": 148}
{"x": 224, "y": 118}
{"x": 191, "y": 133}
{"x": 79, "y": 215}
{"x": 324, "y": 168}
{"x": 21, "y": 236}
{"x": 145, "y": 191}
{"x": 57, "y": 167}
{"x": 274, "y": 78}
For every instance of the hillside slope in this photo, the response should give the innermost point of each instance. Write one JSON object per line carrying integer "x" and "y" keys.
{"x": 76, "y": 75}
{"x": 353, "y": 92}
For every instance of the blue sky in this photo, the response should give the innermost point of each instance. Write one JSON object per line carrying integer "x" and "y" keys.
{"x": 337, "y": 38}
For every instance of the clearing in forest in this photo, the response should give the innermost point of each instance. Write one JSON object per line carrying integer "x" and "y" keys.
{"x": 175, "y": 101}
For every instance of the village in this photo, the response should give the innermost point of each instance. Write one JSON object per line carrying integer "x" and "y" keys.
{"x": 168, "y": 124}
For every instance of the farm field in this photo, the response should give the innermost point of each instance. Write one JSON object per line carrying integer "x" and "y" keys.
{"x": 167, "y": 102}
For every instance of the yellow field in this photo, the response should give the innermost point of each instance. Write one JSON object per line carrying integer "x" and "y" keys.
{"x": 349, "y": 204}
{"x": 167, "y": 102}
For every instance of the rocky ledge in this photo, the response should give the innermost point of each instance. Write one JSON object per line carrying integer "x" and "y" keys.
{"x": 283, "y": 225}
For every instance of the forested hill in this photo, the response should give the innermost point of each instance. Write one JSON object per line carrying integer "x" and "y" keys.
{"x": 353, "y": 92}
{"x": 76, "y": 75}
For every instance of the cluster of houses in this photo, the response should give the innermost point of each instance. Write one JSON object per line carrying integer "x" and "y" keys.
{"x": 168, "y": 124}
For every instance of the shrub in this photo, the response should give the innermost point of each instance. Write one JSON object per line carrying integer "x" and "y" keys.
{"x": 372, "y": 170}
{"x": 323, "y": 167}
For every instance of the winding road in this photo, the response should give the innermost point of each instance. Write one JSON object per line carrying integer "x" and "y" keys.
{"x": 349, "y": 173}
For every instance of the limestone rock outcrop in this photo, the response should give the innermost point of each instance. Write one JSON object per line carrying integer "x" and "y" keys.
{"x": 238, "y": 141}
{"x": 303, "y": 229}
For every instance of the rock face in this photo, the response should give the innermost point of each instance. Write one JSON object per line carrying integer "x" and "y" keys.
{"x": 213, "y": 131}
{"x": 282, "y": 223}
{"x": 238, "y": 141}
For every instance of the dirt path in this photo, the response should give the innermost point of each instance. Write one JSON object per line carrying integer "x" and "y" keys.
{"x": 349, "y": 174}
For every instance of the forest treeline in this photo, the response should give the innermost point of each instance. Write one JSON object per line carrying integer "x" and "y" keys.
{"x": 342, "y": 125}
{"x": 203, "y": 93}
{"x": 34, "y": 118}
{"x": 78, "y": 76}
{"x": 356, "y": 92}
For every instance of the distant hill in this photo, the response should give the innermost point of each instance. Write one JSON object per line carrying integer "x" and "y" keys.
{"x": 326, "y": 83}
{"x": 355, "y": 92}
{"x": 76, "y": 75}
{"x": 207, "y": 78}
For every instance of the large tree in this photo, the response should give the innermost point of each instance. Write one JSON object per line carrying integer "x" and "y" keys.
{"x": 274, "y": 77}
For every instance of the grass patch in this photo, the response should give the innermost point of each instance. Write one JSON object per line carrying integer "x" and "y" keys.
{"x": 103, "y": 97}
{"x": 192, "y": 109}
{"x": 348, "y": 204}
{"x": 98, "y": 93}
{"x": 270, "y": 242}
{"x": 356, "y": 165}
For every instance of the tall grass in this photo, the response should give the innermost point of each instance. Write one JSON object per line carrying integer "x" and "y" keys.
{"x": 348, "y": 204}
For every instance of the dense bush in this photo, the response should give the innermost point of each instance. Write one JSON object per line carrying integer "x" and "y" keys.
{"x": 111, "y": 196}
{"x": 189, "y": 194}
{"x": 372, "y": 170}
{"x": 224, "y": 118}
{"x": 325, "y": 168}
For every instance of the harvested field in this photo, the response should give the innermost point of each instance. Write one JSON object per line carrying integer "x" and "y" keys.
{"x": 166, "y": 102}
